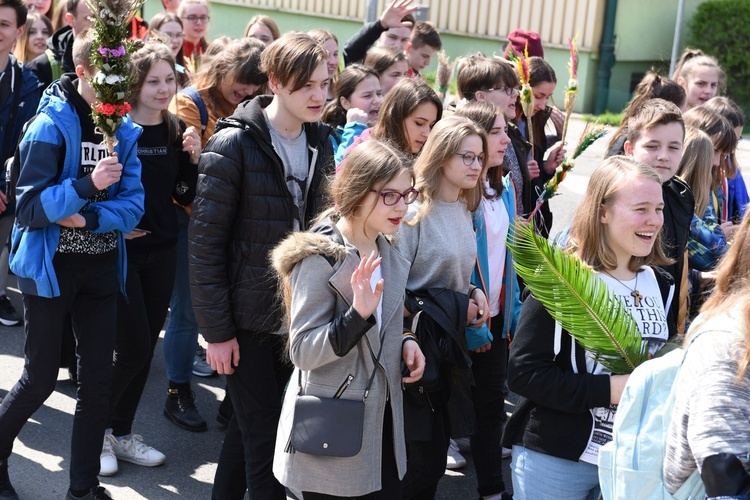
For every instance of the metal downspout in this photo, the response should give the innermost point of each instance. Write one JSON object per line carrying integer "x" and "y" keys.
{"x": 606, "y": 58}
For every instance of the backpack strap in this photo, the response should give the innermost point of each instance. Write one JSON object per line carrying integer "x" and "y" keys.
{"x": 193, "y": 94}
{"x": 16, "y": 75}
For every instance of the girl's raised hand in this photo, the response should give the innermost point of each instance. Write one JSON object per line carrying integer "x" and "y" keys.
{"x": 366, "y": 299}
{"x": 191, "y": 143}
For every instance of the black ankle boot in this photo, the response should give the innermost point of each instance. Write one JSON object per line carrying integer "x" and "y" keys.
{"x": 6, "y": 489}
{"x": 180, "y": 409}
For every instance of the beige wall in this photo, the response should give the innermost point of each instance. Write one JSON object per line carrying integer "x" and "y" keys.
{"x": 556, "y": 20}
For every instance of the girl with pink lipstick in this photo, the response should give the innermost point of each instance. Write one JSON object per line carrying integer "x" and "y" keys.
{"x": 700, "y": 75}
{"x": 356, "y": 105}
{"x": 438, "y": 239}
{"x": 343, "y": 284}
{"x": 33, "y": 40}
{"x": 568, "y": 400}
{"x": 495, "y": 274}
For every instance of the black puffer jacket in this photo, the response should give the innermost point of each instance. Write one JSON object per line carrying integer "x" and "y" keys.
{"x": 242, "y": 209}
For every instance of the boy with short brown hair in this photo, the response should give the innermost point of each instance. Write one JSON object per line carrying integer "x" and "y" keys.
{"x": 260, "y": 176}
{"x": 655, "y": 136}
{"x": 425, "y": 42}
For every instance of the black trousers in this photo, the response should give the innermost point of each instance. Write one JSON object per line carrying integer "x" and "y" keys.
{"x": 256, "y": 388}
{"x": 426, "y": 459}
{"x": 490, "y": 371}
{"x": 390, "y": 485}
{"x": 140, "y": 318}
{"x": 88, "y": 293}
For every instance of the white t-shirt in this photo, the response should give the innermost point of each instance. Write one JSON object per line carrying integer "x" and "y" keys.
{"x": 652, "y": 323}
{"x": 496, "y": 223}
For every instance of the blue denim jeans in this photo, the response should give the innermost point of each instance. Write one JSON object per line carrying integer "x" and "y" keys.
{"x": 181, "y": 335}
{"x": 537, "y": 476}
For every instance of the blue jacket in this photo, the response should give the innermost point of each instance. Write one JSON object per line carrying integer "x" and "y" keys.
{"x": 344, "y": 138}
{"x": 43, "y": 198}
{"x": 477, "y": 337}
{"x": 30, "y": 92}
{"x": 738, "y": 197}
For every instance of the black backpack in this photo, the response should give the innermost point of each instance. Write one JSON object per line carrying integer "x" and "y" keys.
{"x": 13, "y": 169}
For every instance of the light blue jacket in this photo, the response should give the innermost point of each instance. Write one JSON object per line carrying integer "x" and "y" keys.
{"x": 511, "y": 309}
{"x": 45, "y": 195}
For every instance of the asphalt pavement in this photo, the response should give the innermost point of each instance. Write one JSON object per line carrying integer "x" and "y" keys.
{"x": 40, "y": 459}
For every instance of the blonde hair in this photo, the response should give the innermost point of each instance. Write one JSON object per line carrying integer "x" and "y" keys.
{"x": 732, "y": 288}
{"x": 587, "y": 239}
{"x": 442, "y": 144}
{"x": 696, "y": 165}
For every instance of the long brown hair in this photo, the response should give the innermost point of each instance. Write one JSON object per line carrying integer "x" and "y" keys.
{"x": 22, "y": 45}
{"x": 444, "y": 142}
{"x": 722, "y": 135}
{"x": 696, "y": 166}
{"x": 398, "y": 104}
{"x": 587, "y": 239}
{"x": 732, "y": 288}
{"x": 141, "y": 62}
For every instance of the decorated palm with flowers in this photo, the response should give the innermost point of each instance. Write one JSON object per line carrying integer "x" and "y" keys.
{"x": 590, "y": 135}
{"x": 571, "y": 89}
{"x": 110, "y": 56}
{"x": 521, "y": 62}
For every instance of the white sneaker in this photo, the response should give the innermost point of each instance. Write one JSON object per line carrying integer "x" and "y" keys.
{"x": 108, "y": 460}
{"x": 455, "y": 459}
{"x": 135, "y": 451}
{"x": 507, "y": 452}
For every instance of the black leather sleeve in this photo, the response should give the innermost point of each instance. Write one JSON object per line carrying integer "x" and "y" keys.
{"x": 346, "y": 330}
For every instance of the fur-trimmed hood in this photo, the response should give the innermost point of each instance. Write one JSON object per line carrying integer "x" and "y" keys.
{"x": 324, "y": 239}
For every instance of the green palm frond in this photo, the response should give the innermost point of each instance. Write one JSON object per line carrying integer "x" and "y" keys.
{"x": 576, "y": 298}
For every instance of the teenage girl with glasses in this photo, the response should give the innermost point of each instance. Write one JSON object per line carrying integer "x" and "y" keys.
{"x": 343, "y": 286}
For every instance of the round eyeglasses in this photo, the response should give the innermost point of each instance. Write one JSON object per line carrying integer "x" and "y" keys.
{"x": 391, "y": 198}
{"x": 470, "y": 157}
{"x": 198, "y": 19}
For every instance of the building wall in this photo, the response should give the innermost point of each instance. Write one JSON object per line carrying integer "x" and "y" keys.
{"x": 644, "y": 30}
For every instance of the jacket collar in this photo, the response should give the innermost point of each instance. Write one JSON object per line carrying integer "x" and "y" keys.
{"x": 249, "y": 116}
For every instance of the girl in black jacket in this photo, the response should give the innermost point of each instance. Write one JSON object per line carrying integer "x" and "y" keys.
{"x": 568, "y": 399}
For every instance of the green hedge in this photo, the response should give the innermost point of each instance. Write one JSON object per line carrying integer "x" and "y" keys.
{"x": 722, "y": 28}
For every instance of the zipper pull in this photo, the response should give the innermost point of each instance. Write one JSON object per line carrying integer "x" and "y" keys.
{"x": 344, "y": 386}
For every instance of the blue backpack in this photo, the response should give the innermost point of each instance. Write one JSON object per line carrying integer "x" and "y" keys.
{"x": 631, "y": 465}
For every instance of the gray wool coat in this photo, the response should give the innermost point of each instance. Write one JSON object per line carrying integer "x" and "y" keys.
{"x": 319, "y": 293}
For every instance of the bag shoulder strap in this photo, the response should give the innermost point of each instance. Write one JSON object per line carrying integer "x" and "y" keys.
{"x": 193, "y": 94}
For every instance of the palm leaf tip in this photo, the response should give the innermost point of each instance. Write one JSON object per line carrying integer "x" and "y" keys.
{"x": 575, "y": 297}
